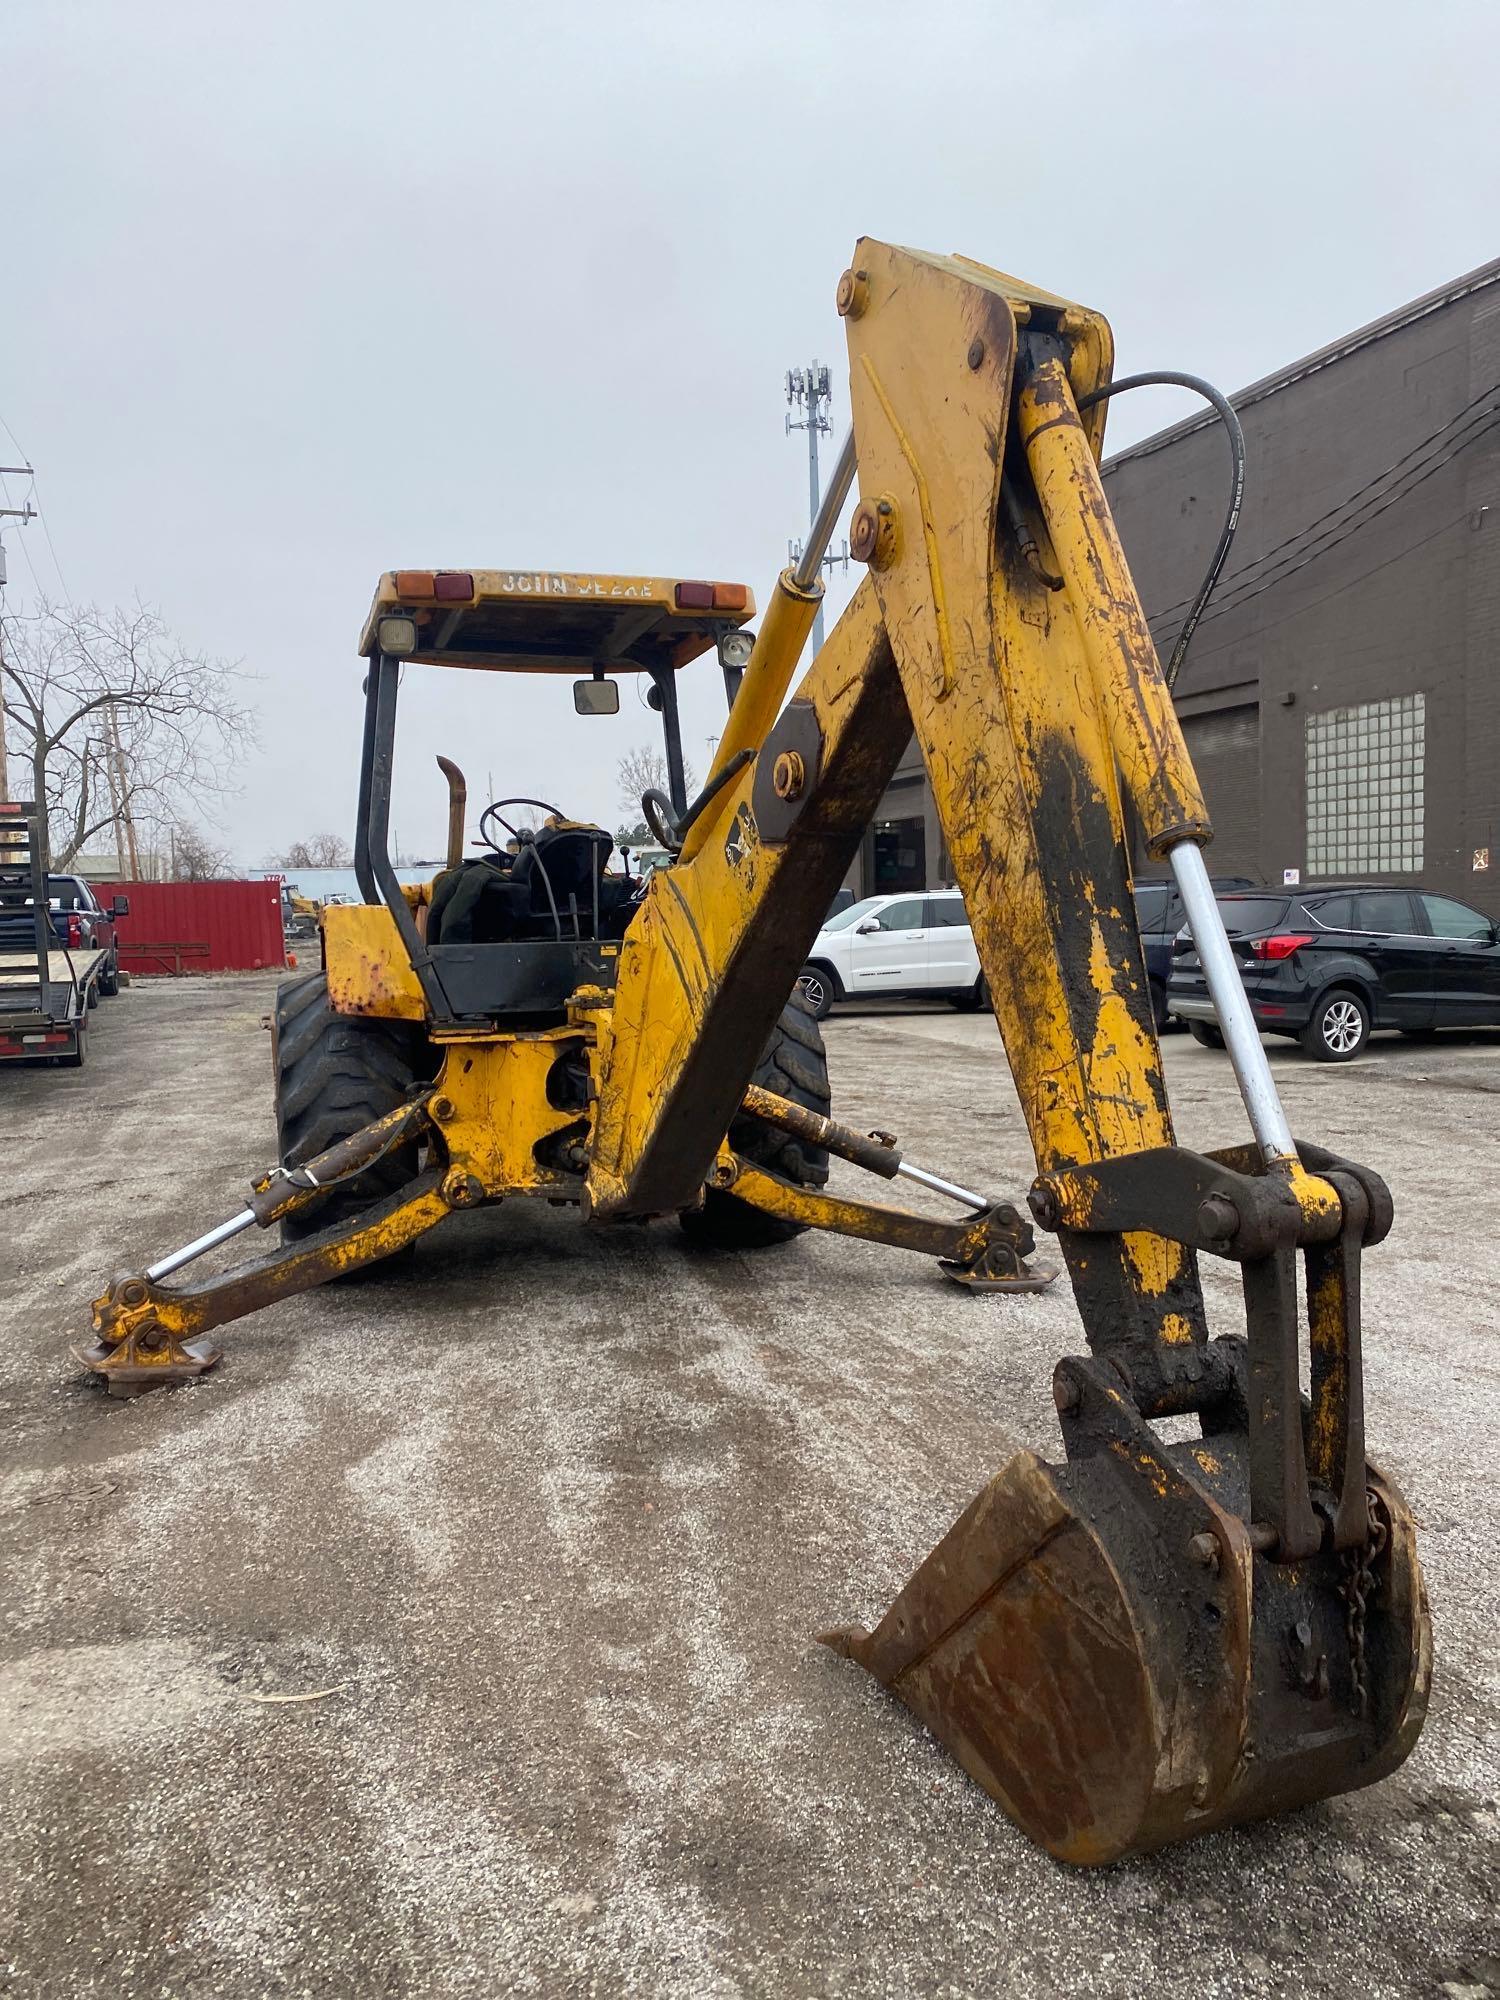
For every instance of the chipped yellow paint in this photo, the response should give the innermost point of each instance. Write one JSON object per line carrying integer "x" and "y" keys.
{"x": 368, "y": 969}
{"x": 1175, "y": 1330}
{"x": 1156, "y": 1263}
{"x": 1318, "y": 1199}
{"x": 502, "y": 1113}
{"x": 1327, "y": 1320}
{"x": 1144, "y": 733}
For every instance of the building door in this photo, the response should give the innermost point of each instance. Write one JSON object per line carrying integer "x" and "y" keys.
{"x": 898, "y": 856}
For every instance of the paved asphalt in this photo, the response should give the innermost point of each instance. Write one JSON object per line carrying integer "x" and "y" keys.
{"x": 554, "y": 1516}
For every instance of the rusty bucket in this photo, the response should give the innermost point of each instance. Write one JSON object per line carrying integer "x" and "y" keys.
{"x": 1104, "y": 1648}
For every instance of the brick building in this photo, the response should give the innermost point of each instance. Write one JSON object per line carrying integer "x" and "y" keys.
{"x": 1341, "y": 699}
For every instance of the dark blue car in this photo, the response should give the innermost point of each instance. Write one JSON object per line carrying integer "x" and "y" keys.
{"x": 1160, "y": 915}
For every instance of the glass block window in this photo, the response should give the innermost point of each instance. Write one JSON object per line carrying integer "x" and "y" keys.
{"x": 1364, "y": 788}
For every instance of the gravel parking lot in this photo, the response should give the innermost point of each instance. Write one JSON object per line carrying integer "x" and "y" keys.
{"x": 554, "y": 1515}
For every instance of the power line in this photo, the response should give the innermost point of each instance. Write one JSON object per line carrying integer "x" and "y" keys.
{"x": 1363, "y": 520}
{"x": 1331, "y": 538}
{"x": 33, "y": 499}
{"x": 1399, "y": 555}
{"x": 24, "y": 513}
{"x": 41, "y": 514}
{"x": 1299, "y": 535}
{"x": 1325, "y": 544}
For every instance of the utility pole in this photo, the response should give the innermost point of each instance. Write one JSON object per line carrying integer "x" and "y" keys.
{"x": 121, "y": 797}
{"x": 809, "y": 391}
{"x": 106, "y": 758}
{"x": 24, "y": 513}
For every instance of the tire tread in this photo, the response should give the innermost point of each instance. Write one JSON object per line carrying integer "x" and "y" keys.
{"x": 335, "y": 1073}
{"x": 794, "y": 1065}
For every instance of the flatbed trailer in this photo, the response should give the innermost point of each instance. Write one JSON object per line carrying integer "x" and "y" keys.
{"x": 45, "y": 990}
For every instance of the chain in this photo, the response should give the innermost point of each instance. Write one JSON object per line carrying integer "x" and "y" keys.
{"x": 1359, "y": 1586}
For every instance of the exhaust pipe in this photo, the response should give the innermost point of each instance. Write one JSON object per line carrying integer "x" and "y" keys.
{"x": 458, "y": 799}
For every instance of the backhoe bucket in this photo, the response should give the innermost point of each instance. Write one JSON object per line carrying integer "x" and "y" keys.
{"x": 1104, "y": 1651}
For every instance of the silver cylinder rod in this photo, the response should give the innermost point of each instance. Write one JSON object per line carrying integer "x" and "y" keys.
{"x": 820, "y": 534}
{"x": 939, "y": 1186}
{"x": 236, "y": 1223}
{"x": 1241, "y": 1036}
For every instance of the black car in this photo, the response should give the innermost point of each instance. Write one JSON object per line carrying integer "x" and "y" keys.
{"x": 1159, "y": 915}
{"x": 1328, "y": 965}
{"x": 79, "y": 922}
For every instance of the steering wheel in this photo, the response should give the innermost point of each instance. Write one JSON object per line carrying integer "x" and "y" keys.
{"x": 660, "y": 816}
{"x": 490, "y": 812}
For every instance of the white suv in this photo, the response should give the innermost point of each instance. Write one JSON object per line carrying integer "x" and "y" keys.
{"x": 907, "y": 945}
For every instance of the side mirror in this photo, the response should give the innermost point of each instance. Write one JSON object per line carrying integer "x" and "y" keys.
{"x": 864, "y": 929}
{"x": 593, "y": 697}
{"x": 120, "y": 907}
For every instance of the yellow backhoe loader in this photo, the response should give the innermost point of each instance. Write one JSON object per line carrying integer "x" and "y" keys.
{"x": 1161, "y": 1633}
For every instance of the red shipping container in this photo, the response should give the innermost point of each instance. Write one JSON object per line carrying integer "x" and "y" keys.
{"x": 198, "y": 926}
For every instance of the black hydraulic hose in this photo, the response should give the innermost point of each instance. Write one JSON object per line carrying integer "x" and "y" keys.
{"x": 1170, "y": 379}
{"x": 656, "y": 807}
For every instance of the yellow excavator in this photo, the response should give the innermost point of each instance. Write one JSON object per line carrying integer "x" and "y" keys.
{"x": 1177, "y": 1625}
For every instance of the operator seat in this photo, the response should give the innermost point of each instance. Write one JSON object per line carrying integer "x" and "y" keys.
{"x": 489, "y": 901}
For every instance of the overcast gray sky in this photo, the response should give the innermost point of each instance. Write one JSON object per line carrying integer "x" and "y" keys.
{"x": 298, "y": 291}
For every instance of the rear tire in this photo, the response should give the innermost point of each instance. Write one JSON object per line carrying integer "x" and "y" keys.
{"x": 973, "y": 998}
{"x": 1339, "y": 1028}
{"x": 1206, "y": 1034}
{"x": 109, "y": 978}
{"x": 794, "y": 1065}
{"x": 334, "y": 1074}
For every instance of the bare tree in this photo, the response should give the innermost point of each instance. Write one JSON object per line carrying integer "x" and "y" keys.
{"x": 195, "y": 858}
{"x": 120, "y": 724}
{"x": 323, "y": 850}
{"x": 644, "y": 769}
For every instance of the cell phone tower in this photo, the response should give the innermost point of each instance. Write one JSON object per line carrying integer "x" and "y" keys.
{"x": 809, "y": 392}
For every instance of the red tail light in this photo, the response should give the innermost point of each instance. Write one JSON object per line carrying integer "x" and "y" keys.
{"x": 75, "y": 928}
{"x": 712, "y": 597}
{"x": 1278, "y": 947}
